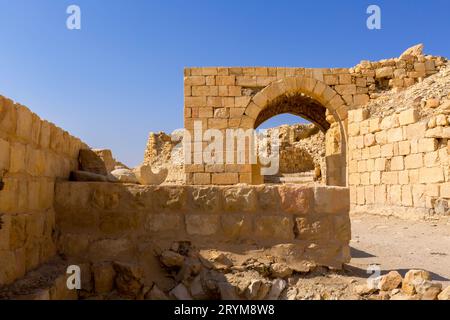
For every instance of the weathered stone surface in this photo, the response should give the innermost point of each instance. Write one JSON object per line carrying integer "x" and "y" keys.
{"x": 89, "y": 161}
{"x": 331, "y": 199}
{"x": 104, "y": 275}
{"x": 85, "y": 176}
{"x": 128, "y": 278}
{"x": 445, "y": 294}
{"x": 274, "y": 227}
{"x": 428, "y": 290}
{"x": 280, "y": 270}
{"x": 145, "y": 175}
{"x": 156, "y": 294}
{"x": 390, "y": 281}
{"x": 172, "y": 259}
{"x": 278, "y": 285}
{"x": 413, "y": 279}
{"x": 241, "y": 199}
{"x": 296, "y": 200}
{"x": 124, "y": 176}
{"x": 180, "y": 292}
{"x": 202, "y": 225}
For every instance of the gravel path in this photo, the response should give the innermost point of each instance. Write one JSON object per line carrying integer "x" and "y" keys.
{"x": 400, "y": 245}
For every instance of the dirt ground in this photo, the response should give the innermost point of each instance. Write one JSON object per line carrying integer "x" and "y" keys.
{"x": 400, "y": 245}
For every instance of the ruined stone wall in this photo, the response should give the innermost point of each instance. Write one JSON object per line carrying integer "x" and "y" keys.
{"x": 166, "y": 151}
{"x": 110, "y": 222}
{"x": 33, "y": 154}
{"x": 244, "y": 97}
{"x": 399, "y": 164}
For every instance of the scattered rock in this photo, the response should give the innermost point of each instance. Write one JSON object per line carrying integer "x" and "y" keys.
{"x": 280, "y": 270}
{"x": 128, "y": 278}
{"x": 251, "y": 293}
{"x": 445, "y": 294}
{"x": 390, "y": 281}
{"x": 197, "y": 290}
{"x": 278, "y": 285}
{"x": 156, "y": 294}
{"x": 364, "y": 289}
{"x": 412, "y": 279}
{"x": 227, "y": 291}
{"x": 180, "y": 292}
{"x": 292, "y": 293}
{"x": 172, "y": 259}
{"x": 428, "y": 290}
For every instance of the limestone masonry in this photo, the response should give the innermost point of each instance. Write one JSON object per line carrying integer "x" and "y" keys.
{"x": 379, "y": 143}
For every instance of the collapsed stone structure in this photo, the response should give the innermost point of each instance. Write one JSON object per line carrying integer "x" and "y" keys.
{"x": 375, "y": 163}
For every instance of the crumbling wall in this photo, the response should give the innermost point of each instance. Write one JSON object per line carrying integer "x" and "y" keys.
{"x": 166, "y": 151}
{"x": 34, "y": 153}
{"x": 101, "y": 222}
{"x": 222, "y": 98}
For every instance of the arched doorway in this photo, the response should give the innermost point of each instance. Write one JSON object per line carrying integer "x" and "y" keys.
{"x": 301, "y": 150}
{"x": 314, "y": 101}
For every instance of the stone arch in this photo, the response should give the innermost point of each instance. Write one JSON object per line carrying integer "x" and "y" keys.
{"x": 311, "y": 99}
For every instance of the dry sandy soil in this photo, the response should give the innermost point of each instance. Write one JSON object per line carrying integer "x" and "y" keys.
{"x": 400, "y": 245}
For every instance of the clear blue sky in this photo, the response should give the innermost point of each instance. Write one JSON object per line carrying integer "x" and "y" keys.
{"x": 121, "y": 75}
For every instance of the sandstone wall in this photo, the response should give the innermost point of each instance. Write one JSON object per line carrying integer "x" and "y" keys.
{"x": 166, "y": 151}
{"x": 399, "y": 164}
{"x": 222, "y": 98}
{"x": 109, "y": 222}
{"x": 33, "y": 155}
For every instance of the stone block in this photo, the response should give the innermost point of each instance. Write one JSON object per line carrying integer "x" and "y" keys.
{"x": 296, "y": 200}
{"x": 403, "y": 177}
{"x": 369, "y": 194}
{"x": 375, "y": 177}
{"x": 24, "y": 123}
{"x": 225, "y": 178}
{"x": 380, "y": 164}
{"x": 18, "y": 157}
{"x": 427, "y": 145}
{"x": 360, "y": 196}
{"x": 418, "y": 193}
{"x": 164, "y": 222}
{"x": 407, "y": 199}
{"x": 202, "y": 224}
{"x": 387, "y": 150}
{"x": 395, "y": 135}
{"x": 331, "y": 200}
{"x": 235, "y": 226}
{"x": 431, "y": 175}
{"x": 389, "y": 177}
{"x": 404, "y": 148}
{"x": 240, "y": 199}
{"x": 395, "y": 194}
{"x": 409, "y": 116}
{"x": 397, "y": 163}
{"x": 445, "y": 190}
{"x": 310, "y": 229}
{"x": 380, "y": 195}
{"x": 202, "y": 178}
{"x": 4, "y": 156}
{"x": 414, "y": 161}
{"x": 274, "y": 227}
{"x": 416, "y": 131}
{"x": 359, "y": 115}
